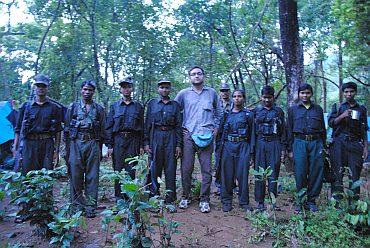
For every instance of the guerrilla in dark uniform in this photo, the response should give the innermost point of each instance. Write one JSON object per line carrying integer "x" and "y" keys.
{"x": 86, "y": 134}
{"x": 349, "y": 139}
{"x": 125, "y": 128}
{"x": 39, "y": 125}
{"x": 226, "y": 105}
{"x": 236, "y": 136}
{"x": 163, "y": 134}
{"x": 270, "y": 143}
{"x": 306, "y": 139}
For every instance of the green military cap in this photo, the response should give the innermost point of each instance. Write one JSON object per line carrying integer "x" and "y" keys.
{"x": 42, "y": 79}
{"x": 225, "y": 86}
{"x": 162, "y": 81}
{"x": 127, "y": 80}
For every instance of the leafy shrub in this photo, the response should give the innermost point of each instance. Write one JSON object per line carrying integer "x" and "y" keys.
{"x": 135, "y": 215}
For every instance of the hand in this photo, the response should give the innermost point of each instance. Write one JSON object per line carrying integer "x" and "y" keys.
{"x": 141, "y": 151}
{"x": 365, "y": 153}
{"x": 185, "y": 131}
{"x": 147, "y": 149}
{"x": 109, "y": 152}
{"x": 215, "y": 131}
{"x": 14, "y": 152}
{"x": 178, "y": 152}
{"x": 251, "y": 163}
{"x": 290, "y": 155}
{"x": 346, "y": 113}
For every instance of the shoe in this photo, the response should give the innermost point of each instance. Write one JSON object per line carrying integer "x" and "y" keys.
{"x": 298, "y": 209}
{"x": 184, "y": 203}
{"x": 276, "y": 208}
{"x": 226, "y": 208}
{"x": 312, "y": 206}
{"x": 204, "y": 207}
{"x": 261, "y": 207}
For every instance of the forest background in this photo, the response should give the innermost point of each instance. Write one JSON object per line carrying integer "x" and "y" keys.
{"x": 247, "y": 43}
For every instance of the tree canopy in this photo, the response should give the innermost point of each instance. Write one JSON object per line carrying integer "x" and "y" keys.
{"x": 239, "y": 42}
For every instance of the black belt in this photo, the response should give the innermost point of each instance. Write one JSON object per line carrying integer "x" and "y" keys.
{"x": 165, "y": 128}
{"x": 85, "y": 136}
{"x": 236, "y": 138}
{"x": 307, "y": 137}
{"x": 126, "y": 134}
{"x": 39, "y": 136}
{"x": 268, "y": 138}
{"x": 351, "y": 138}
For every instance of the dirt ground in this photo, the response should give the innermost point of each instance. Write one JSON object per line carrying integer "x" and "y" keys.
{"x": 215, "y": 229}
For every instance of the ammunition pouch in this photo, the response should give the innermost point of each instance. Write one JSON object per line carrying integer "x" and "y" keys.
{"x": 73, "y": 129}
{"x": 96, "y": 129}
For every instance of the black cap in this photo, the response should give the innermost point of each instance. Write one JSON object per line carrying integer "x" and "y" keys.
{"x": 42, "y": 79}
{"x": 162, "y": 81}
{"x": 224, "y": 86}
{"x": 127, "y": 80}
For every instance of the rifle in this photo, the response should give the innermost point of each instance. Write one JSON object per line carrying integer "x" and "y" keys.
{"x": 18, "y": 160}
{"x": 150, "y": 157}
{"x": 219, "y": 153}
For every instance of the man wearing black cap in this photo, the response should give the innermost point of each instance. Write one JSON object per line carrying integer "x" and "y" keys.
{"x": 270, "y": 143}
{"x": 226, "y": 104}
{"x": 39, "y": 126}
{"x": 125, "y": 128}
{"x": 225, "y": 100}
{"x": 306, "y": 140}
{"x": 163, "y": 139}
{"x": 349, "y": 147}
{"x": 85, "y": 121}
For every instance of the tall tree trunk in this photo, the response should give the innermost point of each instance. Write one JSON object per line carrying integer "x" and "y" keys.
{"x": 324, "y": 87}
{"x": 241, "y": 79}
{"x": 238, "y": 49}
{"x": 291, "y": 46}
{"x": 316, "y": 81}
{"x": 211, "y": 50}
{"x": 340, "y": 71}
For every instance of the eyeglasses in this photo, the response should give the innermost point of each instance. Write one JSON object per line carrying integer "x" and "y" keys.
{"x": 196, "y": 73}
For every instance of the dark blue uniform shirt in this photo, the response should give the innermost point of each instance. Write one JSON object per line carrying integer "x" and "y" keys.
{"x": 305, "y": 121}
{"x": 237, "y": 124}
{"x": 124, "y": 117}
{"x": 348, "y": 126}
{"x": 45, "y": 118}
{"x": 270, "y": 122}
{"x": 160, "y": 114}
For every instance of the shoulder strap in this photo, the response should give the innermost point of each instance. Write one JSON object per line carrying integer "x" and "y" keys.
{"x": 73, "y": 109}
{"x": 116, "y": 107}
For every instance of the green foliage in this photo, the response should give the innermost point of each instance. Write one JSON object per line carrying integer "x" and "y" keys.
{"x": 359, "y": 214}
{"x": 140, "y": 216}
{"x": 64, "y": 225}
{"x": 264, "y": 175}
{"x": 34, "y": 197}
{"x": 33, "y": 194}
{"x": 323, "y": 229}
{"x": 195, "y": 189}
{"x": 105, "y": 40}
